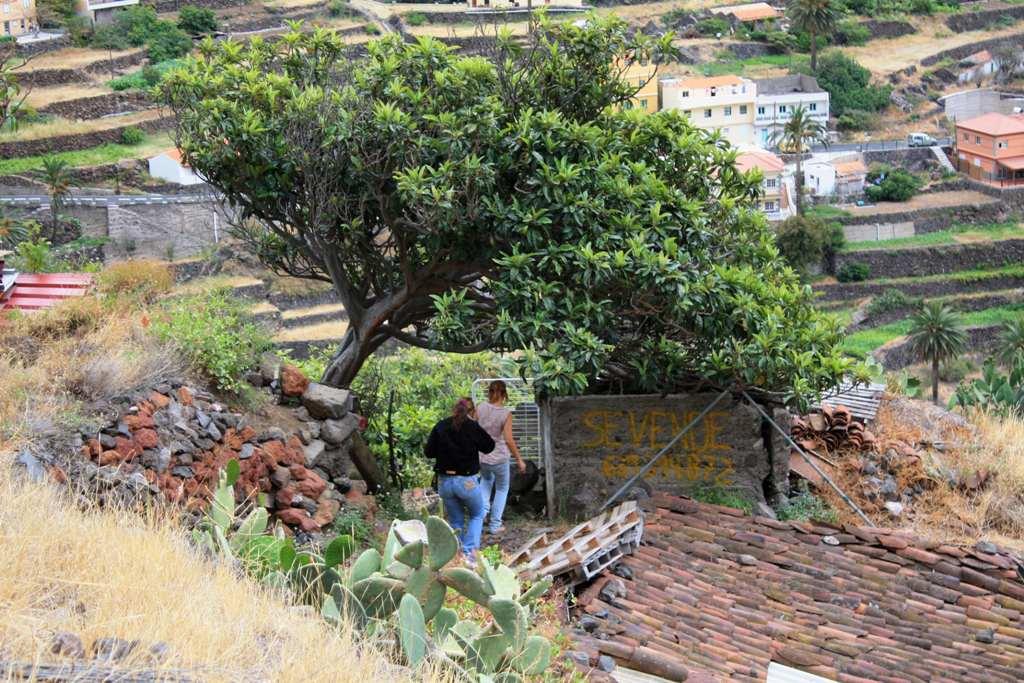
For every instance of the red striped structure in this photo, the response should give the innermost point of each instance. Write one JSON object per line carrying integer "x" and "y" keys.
{"x": 36, "y": 291}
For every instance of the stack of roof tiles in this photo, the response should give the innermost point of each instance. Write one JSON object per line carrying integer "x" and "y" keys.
{"x": 714, "y": 594}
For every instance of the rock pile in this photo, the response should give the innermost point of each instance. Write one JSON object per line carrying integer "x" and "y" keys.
{"x": 174, "y": 441}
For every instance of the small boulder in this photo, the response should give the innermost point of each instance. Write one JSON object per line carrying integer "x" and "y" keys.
{"x": 313, "y": 451}
{"x": 293, "y": 382}
{"x": 113, "y": 649}
{"x": 270, "y": 366}
{"x": 894, "y": 508}
{"x": 324, "y": 402}
{"x": 66, "y": 644}
{"x": 326, "y": 511}
{"x": 337, "y": 432}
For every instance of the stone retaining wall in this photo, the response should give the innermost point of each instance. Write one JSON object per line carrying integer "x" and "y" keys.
{"x": 888, "y": 29}
{"x": 85, "y": 108}
{"x": 932, "y": 220}
{"x": 958, "y": 53}
{"x": 42, "y": 46}
{"x": 972, "y": 303}
{"x": 103, "y": 67}
{"x": 598, "y": 442}
{"x": 936, "y": 260}
{"x": 42, "y": 78}
{"x": 850, "y": 291}
{"x": 912, "y": 159}
{"x": 69, "y": 143}
{"x": 175, "y": 5}
{"x": 974, "y": 21}
{"x": 897, "y": 355}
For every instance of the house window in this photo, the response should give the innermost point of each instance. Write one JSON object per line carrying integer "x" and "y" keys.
{"x": 643, "y": 104}
{"x": 977, "y": 139}
{"x": 685, "y": 93}
{"x": 7, "y": 8}
{"x": 966, "y": 137}
{"x": 1001, "y": 144}
{"x": 743, "y": 109}
{"x": 707, "y": 113}
{"x": 814, "y": 106}
{"x": 728, "y": 111}
{"x": 782, "y": 109}
{"x": 769, "y": 206}
{"x": 977, "y": 162}
{"x": 714, "y": 92}
{"x": 760, "y": 111}
{"x": 770, "y": 182}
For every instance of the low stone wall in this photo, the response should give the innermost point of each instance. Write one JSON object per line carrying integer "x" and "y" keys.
{"x": 175, "y": 5}
{"x": 751, "y": 50}
{"x": 958, "y": 53}
{"x": 970, "y": 303}
{"x": 974, "y": 21}
{"x": 897, "y": 355}
{"x": 471, "y": 44}
{"x": 888, "y": 29}
{"x": 103, "y": 67}
{"x": 912, "y": 159}
{"x": 598, "y": 442}
{"x": 923, "y": 221}
{"x": 852, "y": 291}
{"x": 935, "y": 260}
{"x": 85, "y": 108}
{"x": 69, "y": 143}
{"x": 42, "y": 46}
{"x": 42, "y": 78}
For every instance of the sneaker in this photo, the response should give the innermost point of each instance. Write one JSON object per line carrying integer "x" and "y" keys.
{"x": 469, "y": 560}
{"x": 499, "y": 530}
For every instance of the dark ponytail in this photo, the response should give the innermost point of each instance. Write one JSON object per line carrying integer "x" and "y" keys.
{"x": 463, "y": 407}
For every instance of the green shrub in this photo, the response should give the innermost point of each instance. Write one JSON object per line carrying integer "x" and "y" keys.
{"x": 850, "y": 32}
{"x": 197, "y": 20}
{"x": 892, "y": 300}
{"x": 371, "y": 29}
{"x": 784, "y": 41}
{"x": 805, "y": 507}
{"x": 956, "y": 370}
{"x": 719, "y": 496}
{"x": 888, "y": 184}
{"x": 712, "y": 26}
{"x": 110, "y": 37}
{"x": 994, "y": 391}
{"x": 337, "y": 8}
{"x": 415, "y": 18}
{"x": 848, "y": 84}
{"x": 132, "y": 136}
{"x": 216, "y": 333}
{"x": 167, "y": 42}
{"x": 34, "y": 255}
{"x": 853, "y": 272}
{"x": 856, "y": 119}
{"x": 806, "y": 240}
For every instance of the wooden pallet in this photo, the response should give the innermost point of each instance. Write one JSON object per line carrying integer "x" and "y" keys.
{"x": 586, "y": 549}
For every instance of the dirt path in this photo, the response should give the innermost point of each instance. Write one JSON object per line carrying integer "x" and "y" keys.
{"x": 933, "y": 200}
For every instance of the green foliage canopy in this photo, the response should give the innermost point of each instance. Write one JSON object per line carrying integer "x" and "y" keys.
{"x": 197, "y": 20}
{"x": 848, "y": 84}
{"x": 460, "y": 203}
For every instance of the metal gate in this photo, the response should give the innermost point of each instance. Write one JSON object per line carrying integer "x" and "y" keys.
{"x": 525, "y": 413}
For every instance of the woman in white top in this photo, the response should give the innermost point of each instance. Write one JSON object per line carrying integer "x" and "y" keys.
{"x": 496, "y": 420}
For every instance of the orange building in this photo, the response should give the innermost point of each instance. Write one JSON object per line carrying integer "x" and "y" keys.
{"x": 990, "y": 148}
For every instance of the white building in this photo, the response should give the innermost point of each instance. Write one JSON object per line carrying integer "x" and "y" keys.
{"x": 523, "y": 4}
{"x": 101, "y": 11}
{"x": 841, "y": 176}
{"x": 776, "y": 189}
{"x": 168, "y": 166}
{"x": 723, "y": 103}
{"x": 778, "y": 97}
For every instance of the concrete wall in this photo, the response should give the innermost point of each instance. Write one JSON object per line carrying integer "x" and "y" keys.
{"x": 598, "y": 442}
{"x": 870, "y": 232}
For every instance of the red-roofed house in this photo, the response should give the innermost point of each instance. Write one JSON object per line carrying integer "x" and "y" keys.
{"x": 990, "y": 148}
{"x": 774, "y": 196}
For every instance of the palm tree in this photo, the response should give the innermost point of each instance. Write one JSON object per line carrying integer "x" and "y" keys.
{"x": 814, "y": 17}
{"x": 1011, "y": 342}
{"x": 58, "y": 182}
{"x": 936, "y": 335}
{"x": 798, "y": 133}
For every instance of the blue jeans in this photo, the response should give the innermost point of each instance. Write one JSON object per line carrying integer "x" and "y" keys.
{"x": 494, "y": 478}
{"x": 465, "y": 508}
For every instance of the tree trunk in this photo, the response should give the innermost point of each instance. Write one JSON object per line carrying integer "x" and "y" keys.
{"x": 814, "y": 52}
{"x": 54, "y": 221}
{"x": 362, "y": 457}
{"x": 354, "y": 349}
{"x": 935, "y": 380}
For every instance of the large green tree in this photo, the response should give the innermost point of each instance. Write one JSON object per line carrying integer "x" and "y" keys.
{"x": 459, "y": 203}
{"x": 816, "y": 18}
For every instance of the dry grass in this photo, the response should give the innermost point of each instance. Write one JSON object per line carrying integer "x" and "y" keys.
{"x": 40, "y": 97}
{"x": 59, "y": 126}
{"x": 143, "y": 279}
{"x": 944, "y": 513}
{"x": 313, "y": 310}
{"x": 332, "y": 330}
{"x": 109, "y": 573}
{"x": 74, "y": 57}
{"x": 208, "y": 284}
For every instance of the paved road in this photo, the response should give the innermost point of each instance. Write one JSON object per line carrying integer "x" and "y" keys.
{"x": 872, "y": 146}
{"x": 109, "y": 200}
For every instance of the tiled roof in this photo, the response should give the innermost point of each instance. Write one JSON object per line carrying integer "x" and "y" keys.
{"x": 718, "y": 595}
{"x": 845, "y": 167}
{"x": 994, "y": 123}
{"x": 759, "y": 158}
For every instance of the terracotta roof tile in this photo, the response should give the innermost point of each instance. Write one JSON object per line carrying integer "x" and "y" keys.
{"x": 716, "y": 596}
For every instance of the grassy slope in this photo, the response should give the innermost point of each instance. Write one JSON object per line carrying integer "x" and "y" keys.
{"x": 104, "y": 154}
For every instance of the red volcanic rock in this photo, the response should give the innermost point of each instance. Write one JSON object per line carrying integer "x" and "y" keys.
{"x": 326, "y": 511}
{"x": 284, "y": 496}
{"x": 293, "y": 382}
{"x": 140, "y": 421}
{"x": 184, "y": 396}
{"x": 298, "y": 517}
{"x": 312, "y": 486}
{"x": 146, "y": 438}
{"x": 126, "y": 447}
{"x": 159, "y": 400}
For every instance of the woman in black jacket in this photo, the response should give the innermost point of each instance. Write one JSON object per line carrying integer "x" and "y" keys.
{"x": 455, "y": 444}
